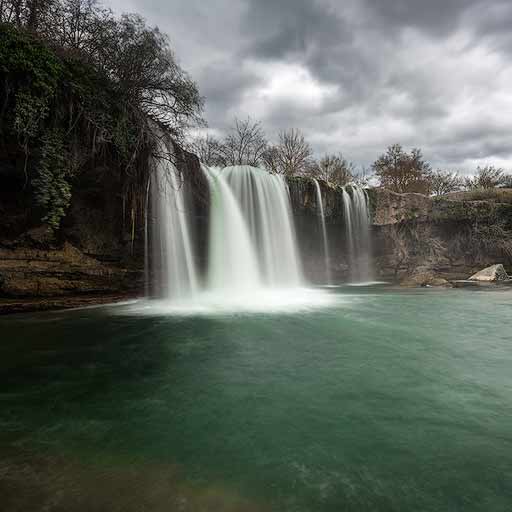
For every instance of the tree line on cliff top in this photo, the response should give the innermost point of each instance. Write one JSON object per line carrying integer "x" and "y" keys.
{"x": 396, "y": 170}
{"x": 81, "y": 89}
{"x": 136, "y": 59}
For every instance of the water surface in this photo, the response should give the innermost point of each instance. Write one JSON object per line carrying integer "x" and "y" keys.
{"x": 378, "y": 400}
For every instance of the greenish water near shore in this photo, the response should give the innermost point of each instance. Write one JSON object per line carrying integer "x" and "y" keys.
{"x": 382, "y": 400}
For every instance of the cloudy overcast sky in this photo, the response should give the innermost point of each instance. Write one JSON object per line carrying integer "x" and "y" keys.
{"x": 353, "y": 75}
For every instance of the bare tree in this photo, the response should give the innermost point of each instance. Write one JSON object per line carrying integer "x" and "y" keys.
{"x": 335, "y": 169}
{"x": 293, "y": 153}
{"x": 245, "y": 145}
{"x": 13, "y": 11}
{"x": 79, "y": 25}
{"x": 26, "y": 13}
{"x": 507, "y": 182}
{"x": 270, "y": 159}
{"x": 148, "y": 76}
{"x": 136, "y": 59}
{"x": 487, "y": 177}
{"x": 444, "y": 182}
{"x": 363, "y": 177}
{"x": 401, "y": 172}
{"x": 209, "y": 151}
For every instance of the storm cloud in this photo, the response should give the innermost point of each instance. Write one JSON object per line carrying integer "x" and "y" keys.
{"x": 354, "y": 76}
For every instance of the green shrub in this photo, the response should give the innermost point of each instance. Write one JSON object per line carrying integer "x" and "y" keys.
{"x": 52, "y": 185}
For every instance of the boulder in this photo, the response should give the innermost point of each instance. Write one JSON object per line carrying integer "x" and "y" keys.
{"x": 424, "y": 279}
{"x": 491, "y": 274}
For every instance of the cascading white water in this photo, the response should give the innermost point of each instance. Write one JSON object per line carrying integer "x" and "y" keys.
{"x": 172, "y": 262}
{"x": 232, "y": 261}
{"x": 147, "y": 290}
{"x": 357, "y": 230}
{"x": 264, "y": 201}
{"x": 253, "y": 263}
{"x": 324, "y": 233}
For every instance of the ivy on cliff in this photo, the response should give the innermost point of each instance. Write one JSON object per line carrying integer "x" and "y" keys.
{"x": 95, "y": 99}
{"x": 44, "y": 96}
{"x": 52, "y": 184}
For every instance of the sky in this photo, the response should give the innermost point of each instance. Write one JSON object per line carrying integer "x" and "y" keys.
{"x": 354, "y": 75}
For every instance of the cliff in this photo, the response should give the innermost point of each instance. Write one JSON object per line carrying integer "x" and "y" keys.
{"x": 98, "y": 250}
{"x": 77, "y": 150}
{"x": 416, "y": 239}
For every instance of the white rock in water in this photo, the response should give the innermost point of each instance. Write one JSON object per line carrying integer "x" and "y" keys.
{"x": 492, "y": 273}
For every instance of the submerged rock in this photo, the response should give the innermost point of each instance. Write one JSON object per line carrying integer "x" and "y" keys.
{"x": 491, "y": 274}
{"x": 424, "y": 279}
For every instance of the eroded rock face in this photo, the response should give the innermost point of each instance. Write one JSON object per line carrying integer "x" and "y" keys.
{"x": 491, "y": 274}
{"x": 32, "y": 272}
{"x": 391, "y": 208}
{"x": 417, "y": 240}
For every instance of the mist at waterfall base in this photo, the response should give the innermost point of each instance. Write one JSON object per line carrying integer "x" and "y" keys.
{"x": 253, "y": 263}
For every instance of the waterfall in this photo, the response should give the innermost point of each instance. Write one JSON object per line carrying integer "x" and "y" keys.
{"x": 253, "y": 262}
{"x": 357, "y": 230}
{"x": 232, "y": 259}
{"x": 264, "y": 201}
{"x": 327, "y": 258}
{"x": 172, "y": 259}
{"x": 147, "y": 290}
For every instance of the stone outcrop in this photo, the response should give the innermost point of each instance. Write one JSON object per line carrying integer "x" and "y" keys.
{"x": 493, "y": 273}
{"x": 449, "y": 239}
{"x": 31, "y": 272}
{"x": 425, "y": 279}
{"x": 390, "y": 208}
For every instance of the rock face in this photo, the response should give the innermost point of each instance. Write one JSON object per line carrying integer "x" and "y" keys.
{"x": 99, "y": 249}
{"x": 30, "y": 272}
{"x": 491, "y": 274}
{"x": 417, "y": 240}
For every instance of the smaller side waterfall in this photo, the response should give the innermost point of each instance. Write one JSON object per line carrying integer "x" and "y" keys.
{"x": 357, "y": 230}
{"x": 172, "y": 262}
{"x": 147, "y": 284}
{"x": 327, "y": 258}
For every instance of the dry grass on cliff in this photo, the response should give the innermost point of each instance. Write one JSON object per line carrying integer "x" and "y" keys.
{"x": 480, "y": 241}
{"x": 495, "y": 195}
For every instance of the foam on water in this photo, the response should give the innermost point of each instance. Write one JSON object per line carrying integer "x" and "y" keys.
{"x": 262, "y": 301}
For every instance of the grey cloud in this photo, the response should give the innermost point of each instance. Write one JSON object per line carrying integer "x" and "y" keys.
{"x": 223, "y": 84}
{"x": 433, "y": 74}
{"x": 437, "y": 17}
{"x": 291, "y": 28}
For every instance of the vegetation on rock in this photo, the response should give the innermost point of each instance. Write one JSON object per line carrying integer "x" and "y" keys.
{"x": 81, "y": 89}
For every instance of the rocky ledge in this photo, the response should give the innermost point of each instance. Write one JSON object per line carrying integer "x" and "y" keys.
{"x": 35, "y": 276}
